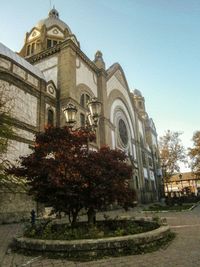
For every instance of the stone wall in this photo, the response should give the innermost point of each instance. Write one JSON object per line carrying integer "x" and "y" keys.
{"x": 15, "y": 204}
{"x": 111, "y": 246}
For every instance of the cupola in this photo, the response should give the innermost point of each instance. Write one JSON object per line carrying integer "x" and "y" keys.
{"x": 139, "y": 102}
{"x": 46, "y": 34}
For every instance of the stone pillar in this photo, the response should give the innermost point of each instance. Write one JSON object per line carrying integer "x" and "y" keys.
{"x": 66, "y": 78}
{"x": 102, "y": 96}
{"x": 41, "y": 107}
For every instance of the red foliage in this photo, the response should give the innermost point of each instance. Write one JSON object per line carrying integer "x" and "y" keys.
{"x": 107, "y": 179}
{"x": 63, "y": 174}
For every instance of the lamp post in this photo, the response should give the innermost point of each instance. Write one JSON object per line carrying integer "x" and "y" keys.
{"x": 180, "y": 177}
{"x": 93, "y": 116}
{"x": 164, "y": 180}
{"x": 92, "y": 121}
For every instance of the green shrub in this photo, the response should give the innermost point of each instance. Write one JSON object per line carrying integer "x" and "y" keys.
{"x": 81, "y": 230}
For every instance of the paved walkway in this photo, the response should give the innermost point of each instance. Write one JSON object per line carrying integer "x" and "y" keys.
{"x": 184, "y": 251}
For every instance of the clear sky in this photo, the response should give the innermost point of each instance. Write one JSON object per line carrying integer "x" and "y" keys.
{"x": 155, "y": 41}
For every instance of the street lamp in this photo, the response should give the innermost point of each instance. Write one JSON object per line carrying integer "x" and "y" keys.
{"x": 70, "y": 114}
{"x": 94, "y": 107}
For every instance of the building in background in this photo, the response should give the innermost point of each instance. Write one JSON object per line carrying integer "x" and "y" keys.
{"x": 183, "y": 184}
{"x": 50, "y": 71}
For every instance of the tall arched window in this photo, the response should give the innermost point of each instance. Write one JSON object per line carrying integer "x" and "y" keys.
{"x": 82, "y": 100}
{"x": 50, "y": 118}
{"x": 85, "y": 98}
{"x": 143, "y": 151}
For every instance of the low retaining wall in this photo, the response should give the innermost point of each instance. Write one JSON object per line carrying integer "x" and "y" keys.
{"x": 103, "y": 246}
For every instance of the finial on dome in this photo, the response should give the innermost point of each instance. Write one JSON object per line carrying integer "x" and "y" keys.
{"x": 53, "y": 13}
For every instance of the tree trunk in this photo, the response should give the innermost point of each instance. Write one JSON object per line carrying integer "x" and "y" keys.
{"x": 73, "y": 217}
{"x": 91, "y": 216}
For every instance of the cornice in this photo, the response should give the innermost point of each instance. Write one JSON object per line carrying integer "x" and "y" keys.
{"x": 20, "y": 66}
{"x": 43, "y": 54}
{"x": 24, "y": 126}
{"x": 10, "y": 77}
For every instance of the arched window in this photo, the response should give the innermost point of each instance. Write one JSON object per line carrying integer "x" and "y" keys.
{"x": 85, "y": 98}
{"x": 50, "y": 118}
{"x": 137, "y": 182}
{"x": 82, "y": 100}
{"x": 143, "y": 151}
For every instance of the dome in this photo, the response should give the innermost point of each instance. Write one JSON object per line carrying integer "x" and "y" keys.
{"x": 52, "y": 20}
{"x": 137, "y": 92}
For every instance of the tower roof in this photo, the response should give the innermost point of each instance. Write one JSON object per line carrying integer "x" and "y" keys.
{"x": 52, "y": 20}
{"x": 137, "y": 92}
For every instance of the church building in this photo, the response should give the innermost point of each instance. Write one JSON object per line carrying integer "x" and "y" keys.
{"x": 52, "y": 71}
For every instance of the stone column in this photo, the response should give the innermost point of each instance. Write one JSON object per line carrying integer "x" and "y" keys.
{"x": 66, "y": 78}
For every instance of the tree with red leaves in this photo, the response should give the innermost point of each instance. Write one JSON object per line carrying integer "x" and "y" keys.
{"x": 107, "y": 181}
{"x": 63, "y": 174}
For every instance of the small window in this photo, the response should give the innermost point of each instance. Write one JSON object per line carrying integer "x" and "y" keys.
{"x": 50, "y": 117}
{"x": 82, "y": 120}
{"x": 140, "y": 104}
{"x": 150, "y": 162}
{"x": 54, "y": 42}
{"x": 143, "y": 158}
{"x": 28, "y": 50}
{"x": 33, "y": 48}
{"x": 153, "y": 186}
{"x": 48, "y": 43}
{"x": 146, "y": 184}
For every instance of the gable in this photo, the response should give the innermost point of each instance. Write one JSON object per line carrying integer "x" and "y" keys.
{"x": 51, "y": 89}
{"x": 55, "y": 32}
{"x": 34, "y": 34}
{"x": 116, "y": 71}
{"x": 118, "y": 74}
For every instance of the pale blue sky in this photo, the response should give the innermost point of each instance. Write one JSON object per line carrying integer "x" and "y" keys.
{"x": 155, "y": 41}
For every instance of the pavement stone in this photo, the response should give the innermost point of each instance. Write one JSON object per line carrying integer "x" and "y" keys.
{"x": 183, "y": 251}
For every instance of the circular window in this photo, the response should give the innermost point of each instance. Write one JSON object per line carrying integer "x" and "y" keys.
{"x": 123, "y": 133}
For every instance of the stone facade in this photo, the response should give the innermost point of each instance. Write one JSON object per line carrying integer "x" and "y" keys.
{"x": 16, "y": 205}
{"x": 51, "y": 70}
